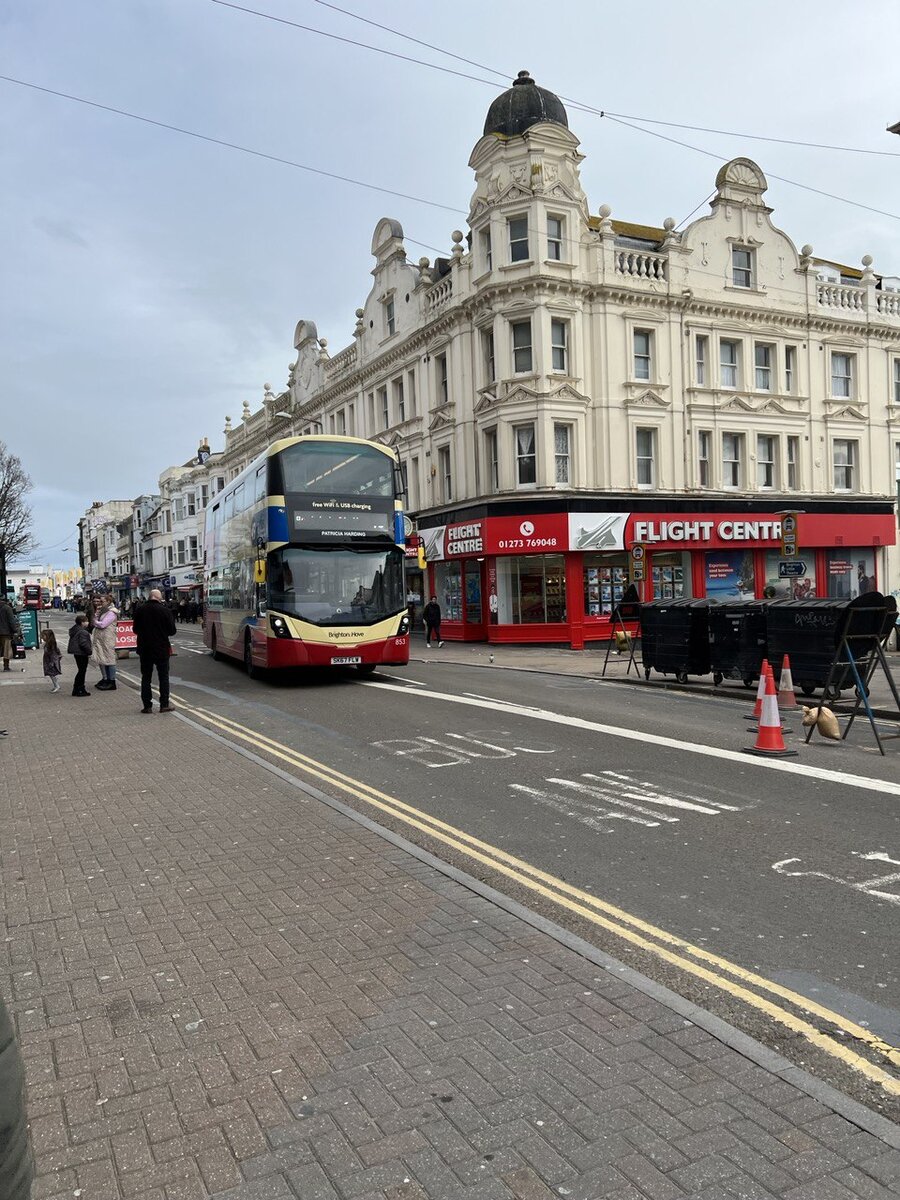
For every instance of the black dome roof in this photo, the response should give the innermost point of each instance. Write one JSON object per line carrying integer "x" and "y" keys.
{"x": 523, "y": 105}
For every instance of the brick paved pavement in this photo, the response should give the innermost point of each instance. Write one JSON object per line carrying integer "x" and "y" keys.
{"x": 224, "y": 988}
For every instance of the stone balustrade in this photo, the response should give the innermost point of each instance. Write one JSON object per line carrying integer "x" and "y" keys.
{"x": 345, "y": 361}
{"x": 438, "y": 295}
{"x": 642, "y": 264}
{"x": 889, "y": 304}
{"x": 846, "y": 296}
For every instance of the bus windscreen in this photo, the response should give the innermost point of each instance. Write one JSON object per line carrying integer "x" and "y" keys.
{"x": 336, "y": 469}
{"x": 336, "y": 587}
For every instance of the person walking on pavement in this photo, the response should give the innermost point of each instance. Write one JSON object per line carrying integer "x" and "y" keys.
{"x": 431, "y": 615}
{"x": 10, "y": 631}
{"x": 16, "y": 1163}
{"x": 104, "y": 633}
{"x": 153, "y": 626}
{"x": 52, "y": 658}
{"x": 80, "y": 646}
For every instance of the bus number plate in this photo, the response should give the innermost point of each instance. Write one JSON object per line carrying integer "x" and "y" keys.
{"x": 346, "y": 661}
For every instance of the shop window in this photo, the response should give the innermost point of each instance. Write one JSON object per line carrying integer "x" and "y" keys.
{"x": 645, "y": 440}
{"x": 730, "y": 575}
{"x": 562, "y": 449}
{"x": 763, "y": 357}
{"x": 448, "y": 589}
{"x": 491, "y": 461}
{"x": 518, "y": 239}
{"x": 704, "y": 443}
{"x": 801, "y": 587}
{"x": 532, "y": 590}
{"x": 487, "y": 350}
{"x": 641, "y": 361}
{"x": 559, "y": 345}
{"x": 472, "y": 578}
{"x": 790, "y": 368}
{"x": 671, "y": 576}
{"x": 793, "y": 463}
{"x": 766, "y": 452}
{"x": 701, "y": 348}
{"x": 850, "y": 573}
{"x": 526, "y": 459}
{"x": 732, "y": 459}
{"x": 844, "y": 459}
{"x": 521, "y": 342}
{"x": 605, "y": 580}
{"x": 842, "y": 376}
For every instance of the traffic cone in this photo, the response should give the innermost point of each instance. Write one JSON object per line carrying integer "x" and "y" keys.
{"x": 786, "y": 697}
{"x": 769, "y": 742}
{"x": 760, "y": 691}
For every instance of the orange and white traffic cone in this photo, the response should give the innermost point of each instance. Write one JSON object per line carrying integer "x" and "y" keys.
{"x": 769, "y": 742}
{"x": 760, "y": 691}
{"x": 786, "y": 697}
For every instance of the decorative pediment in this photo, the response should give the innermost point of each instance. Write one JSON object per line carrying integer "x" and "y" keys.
{"x": 648, "y": 399}
{"x": 486, "y": 401}
{"x": 848, "y": 411}
{"x": 559, "y": 191}
{"x": 737, "y": 404}
{"x": 774, "y": 406}
{"x": 519, "y": 394}
{"x": 569, "y": 395}
{"x": 514, "y": 192}
{"x": 478, "y": 207}
{"x": 442, "y": 418}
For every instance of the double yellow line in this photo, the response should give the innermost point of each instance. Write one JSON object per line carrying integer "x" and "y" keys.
{"x": 737, "y": 981}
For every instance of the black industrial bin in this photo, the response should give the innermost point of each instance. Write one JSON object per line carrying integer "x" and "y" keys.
{"x": 737, "y": 639}
{"x": 809, "y": 631}
{"x": 675, "y": 638}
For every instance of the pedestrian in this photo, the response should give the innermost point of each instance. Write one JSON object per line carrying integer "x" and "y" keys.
{"x": 16, "y": 1163}
{"x": 10, "y": 631}
{"x": 153, "y": 626}
{"x": 432, "y": 618}
{"x": 80, "y": 647}
{"x": 52, "y": 658}
{"x": 104, "y": 634}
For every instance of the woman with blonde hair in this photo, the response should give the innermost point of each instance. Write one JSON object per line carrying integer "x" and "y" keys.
{"x": 103, "y": 623}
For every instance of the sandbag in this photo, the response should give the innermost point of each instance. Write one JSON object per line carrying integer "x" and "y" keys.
{"x": 824, "y": 720}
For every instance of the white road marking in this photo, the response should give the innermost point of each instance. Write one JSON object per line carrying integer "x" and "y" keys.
{"x": 696, "y": 799}
{"x": 636, "y": 792}
{"x": 871, "y": 887}
{"x": 610, "y": 797}
{"x": 804, "y": 770}
{"x": 567, "y": 806}
{"x": 415, "y": 682}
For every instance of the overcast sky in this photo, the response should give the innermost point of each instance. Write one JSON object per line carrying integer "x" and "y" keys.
{"x": 150, "y": 283}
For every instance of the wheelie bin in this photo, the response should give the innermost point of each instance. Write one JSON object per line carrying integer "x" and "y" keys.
{"x": 737, "y": 639}
{"x": 675, "y": 638}
{"x": 809, "y": 631}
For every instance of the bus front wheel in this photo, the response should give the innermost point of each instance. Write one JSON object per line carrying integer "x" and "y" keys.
{"x": 214, "y": 647}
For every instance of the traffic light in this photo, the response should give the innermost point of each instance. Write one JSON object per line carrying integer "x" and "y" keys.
{"x": 420, "y": 553}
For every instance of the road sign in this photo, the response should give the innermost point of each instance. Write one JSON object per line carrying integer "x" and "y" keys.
{"x": 789, "y": 533}
{"x": 791, "y": 569}
{"x": 637, "y": 562}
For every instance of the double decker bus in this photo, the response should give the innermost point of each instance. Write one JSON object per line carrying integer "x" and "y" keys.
{"x": 304, "y": 558}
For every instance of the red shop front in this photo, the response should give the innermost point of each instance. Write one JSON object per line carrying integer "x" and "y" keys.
{"x": 555, "y": 577}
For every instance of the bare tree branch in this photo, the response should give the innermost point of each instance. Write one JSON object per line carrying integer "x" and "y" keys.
{"x": 15, "y": 515}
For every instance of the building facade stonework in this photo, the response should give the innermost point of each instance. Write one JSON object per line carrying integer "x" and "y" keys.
{"x": 564, "y": 385}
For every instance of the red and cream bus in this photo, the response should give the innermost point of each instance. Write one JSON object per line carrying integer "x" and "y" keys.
{"x": 304, "y": 558}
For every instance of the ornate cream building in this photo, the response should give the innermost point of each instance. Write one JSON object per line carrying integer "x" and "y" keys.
{"x": 566, "y": 385}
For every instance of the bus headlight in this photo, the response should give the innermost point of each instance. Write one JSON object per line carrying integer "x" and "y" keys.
{"x": 404, "y": 626}
{"x": 280, "y": 627}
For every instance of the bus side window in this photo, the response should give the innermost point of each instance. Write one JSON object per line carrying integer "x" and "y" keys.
{"x": 261, "y": 483}
{"x": 229, "y": 507}
{"x": 239, "y": 504}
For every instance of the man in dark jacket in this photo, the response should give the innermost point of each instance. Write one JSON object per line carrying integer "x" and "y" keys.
{"x": 10, "y": 631}
{"x": 153, "y": 626}
{"x": 432, "y": 617}
{"x": 81, "y": 646}
{"x": 16, "y": 1167}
